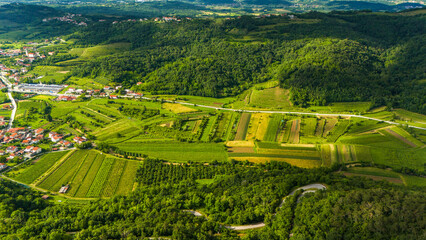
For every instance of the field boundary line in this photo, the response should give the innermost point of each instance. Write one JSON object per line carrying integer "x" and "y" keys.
{"x": 110, "y": 118}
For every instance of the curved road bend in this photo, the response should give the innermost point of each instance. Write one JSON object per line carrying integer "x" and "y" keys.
{"x": 307, "y": 189}
{"x": 9, "y": 94}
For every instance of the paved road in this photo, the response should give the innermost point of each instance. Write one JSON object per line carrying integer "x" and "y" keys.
{"x": 251, "y": 111}
{"x": 9, "y": 94}
{"x": 287, "y": 112}
{"x": 307, "y": 189}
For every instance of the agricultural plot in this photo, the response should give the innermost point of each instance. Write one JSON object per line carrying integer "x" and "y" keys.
{"x": 63, "y": 173}
{"x": 127, "y": 179}
{"x": 287, "y": 130}
{"x": 257, "y": 126}
{"x": 90, "y": 175}
{"x": 82, "y": 173}
{"x": 320, "y": 128}
{"x": 306, "y": 156}
{"x": 365, "y": 126}
{"x": 178, "y": 108}
{"x": 116, "y": 129}
{"x": 39, "y": 167}
{"x": 295, "y": 132}
{"x": 357, "y": 107}
{"x": 274, "y": 126}
{"x": 275, "y": 98}
{"x": 329, "y": 125}
{"x": 413, "y": 158}
{"x": 100, "y": 179}
{"x": 338, "y": 131}
{"x": 206, "y": 136}
{"x": 373, "y": 140}
{"x": 176, "y": 151}
{"x": 114, "y": 178}
{"x": 242, "y": 127}
{"x": 404, "y": 136}
{"x": 309, "y": 126}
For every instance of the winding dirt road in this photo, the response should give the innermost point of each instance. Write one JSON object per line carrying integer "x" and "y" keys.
{"x": 307, "y": 189}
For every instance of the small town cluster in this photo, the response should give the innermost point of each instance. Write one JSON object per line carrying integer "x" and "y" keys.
{"x": 69, "y": 18}
{"x": 23, "y": 143}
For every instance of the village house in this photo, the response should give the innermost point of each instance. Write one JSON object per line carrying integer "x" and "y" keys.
{"x": 55, "y": 137}
{"x": 79, "y": 140}
{"x": 11, "y": 149}
{"x": 38, "y": 131}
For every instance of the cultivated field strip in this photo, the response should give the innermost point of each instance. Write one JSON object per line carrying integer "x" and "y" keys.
{"x": 338, "y": 131}
{"x": 242, "y": 127}
{"x": 90, "y": 176}
{"x": 64, "y": 172}
{"x": 101, "y": 177}
{"x": 329, "y": 125}
{"x": 114, "y": 178}
{"x": 295, "y": 132}
{"x": 309, "y": 126}
{"x": 126, "y": 182}
{"x": 320, "y": 128}
{"x": 30, "y": 174}
{"x": 81, "y": 174}
{"x": 273, "y": 128}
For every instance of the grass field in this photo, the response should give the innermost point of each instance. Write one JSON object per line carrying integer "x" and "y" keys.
{"x": 309, "y": 126}
{"x": 273, "y": 98}
{"x": 178, "y": 108}
{"x": 39, "y": 167}
{"x": 176, "y": 151}
{"x": 338, "y": 130}
{"x": 357, "y": 107}
{"x": 91, "y": 174}
{"x": 274, "y": 124}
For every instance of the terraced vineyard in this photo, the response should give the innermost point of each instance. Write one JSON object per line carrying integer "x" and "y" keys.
{"x": 91, "y": 174}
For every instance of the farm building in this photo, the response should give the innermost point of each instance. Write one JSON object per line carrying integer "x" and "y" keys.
{"x": 64, "y": 189}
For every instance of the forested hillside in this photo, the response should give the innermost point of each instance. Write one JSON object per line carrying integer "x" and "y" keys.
{"x": 237, "y": 193}
{"x": 364, "y": 57}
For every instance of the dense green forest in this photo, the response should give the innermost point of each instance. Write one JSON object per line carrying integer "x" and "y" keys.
{"x": 364, "y": 57}
{"x": 237, "y": 193}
